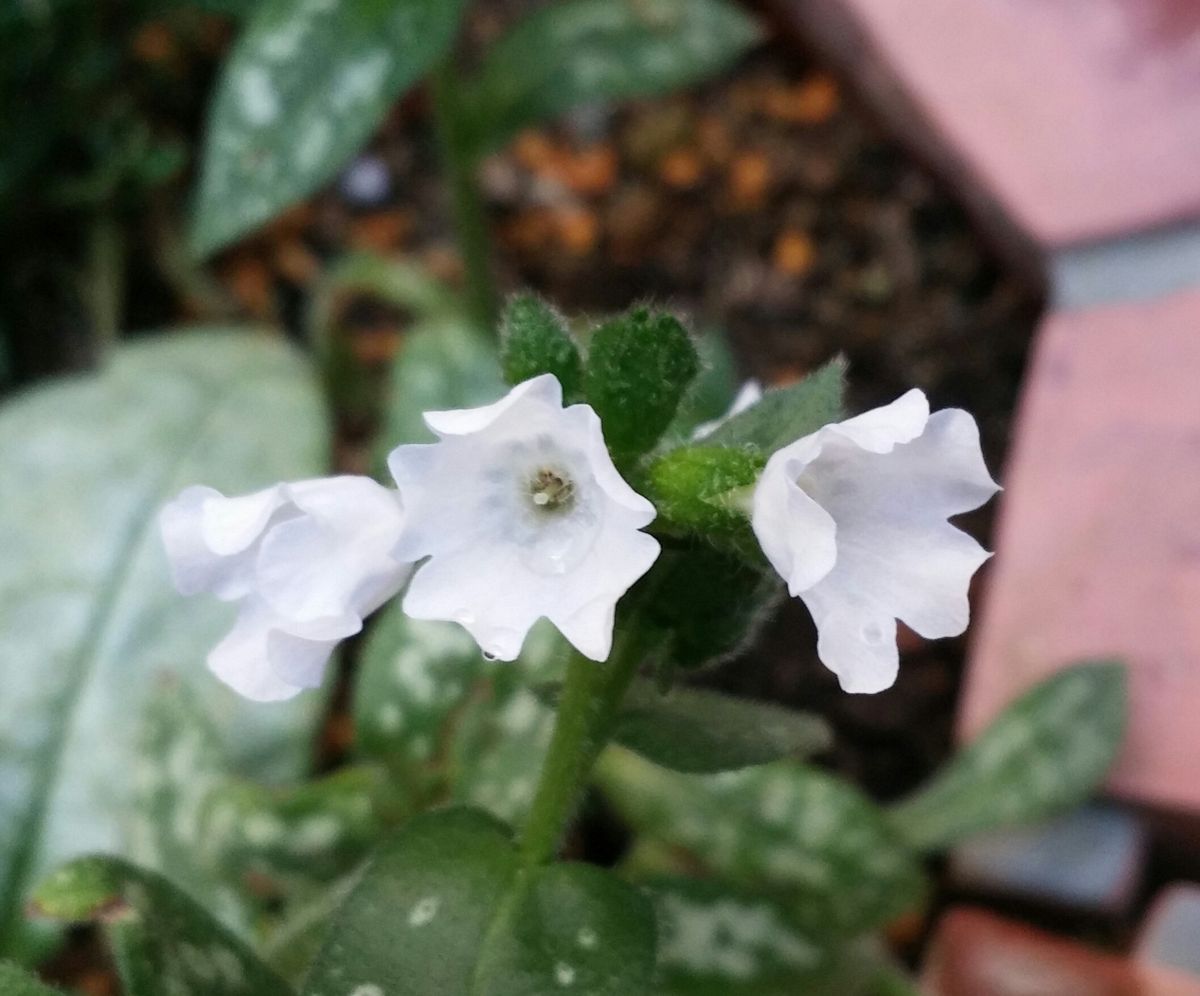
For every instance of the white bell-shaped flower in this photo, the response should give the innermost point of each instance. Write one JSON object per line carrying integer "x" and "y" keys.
{"x": 854, "y": 518}
{"x": 522, "y": 515}
{"x": 307, "y": 561}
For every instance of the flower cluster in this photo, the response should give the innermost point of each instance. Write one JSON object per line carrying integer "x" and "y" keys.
{"x": 518, "y": 512}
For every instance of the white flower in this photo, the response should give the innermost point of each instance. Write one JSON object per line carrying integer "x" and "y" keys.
{"x": 751, "y": 393}
{"x": 854, "y": 518}
{"x": 522, "y": 515}
{"x": 306, "y": 561}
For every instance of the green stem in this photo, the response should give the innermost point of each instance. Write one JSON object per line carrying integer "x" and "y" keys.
{"x": 106, "y": 279}
{"x": 591, "y": 695}
{"x": 470, "y": 217}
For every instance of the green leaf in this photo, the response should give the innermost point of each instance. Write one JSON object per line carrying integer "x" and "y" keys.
{"x": 700, "y": 488}
{"x": 1046, "y": 753}
{"x": 715, "y": 940}
{"x": 784, "y": 829}
{"x": 712, "y": 601}
{"x": 445, "y": 907}
{"x": 534, "y": 340}
{"x": 443, "y": 363}
{"x": 785, "y": 414}
{"x": 448, "y": 722}
{"x": 698, "y": 731}
{"x": 302, "y": 90}
{"x": 14, "y": 982}
{"x": 313, "y": 832}
{"x": 583, "y": 51}
{"x": 711, "y": 393}
{"x": 163, "y": 940}
{"x": 639, "y": 367}
{"x": 180, "y": 765}
{"x": 84, "y": 588}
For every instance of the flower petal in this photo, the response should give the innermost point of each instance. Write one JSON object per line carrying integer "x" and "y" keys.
{"x": 798, "y": 537}
{"x": 241, "y": 659}
{"x": 544, "y": 389}
{"x": 316, "y": 565}
{"x": 210, "y": 539}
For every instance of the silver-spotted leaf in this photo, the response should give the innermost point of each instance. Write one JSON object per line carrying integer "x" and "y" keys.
{"x": 164, "y": 942}
{"x": 84, "y": 587}
{"x": 788, "y": 830}
{"x": 15, "y": 981}
{"x": 302, "y": 90}
{"x": 446, "y": 907}
{"x": 1045, "y": 753}
{"x": 583, "y": 51}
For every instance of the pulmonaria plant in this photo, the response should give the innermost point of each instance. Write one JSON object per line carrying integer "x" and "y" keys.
{"x": 519, "y": 512}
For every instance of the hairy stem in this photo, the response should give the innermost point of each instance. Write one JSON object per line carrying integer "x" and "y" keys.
{"x": 470, "y": 218}
{"x": 591, "y": 695}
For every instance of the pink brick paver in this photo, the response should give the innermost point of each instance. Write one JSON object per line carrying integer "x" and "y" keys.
{"x": 1099, "y": 541}
{"x": 977, "y": 954}
{"x": 1081, "y": 115}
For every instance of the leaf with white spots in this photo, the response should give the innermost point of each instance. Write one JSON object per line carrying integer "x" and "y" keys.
{"x": 302, "y": 90}
{"x": 89, "y": 618}
{"x": 308, "y": 834}
{"x": 802, "y": 836}
{"x": 700, "y": 731}
{"x": 1046, "y": 753}
{"x": 448, "y": 722}
{"x": 584, "y": 51}
{"x": 180, "y": 765}
{"x": 714, "y": 940}
{"x": 164, "y": 942}
{"x": 446, "y": 907}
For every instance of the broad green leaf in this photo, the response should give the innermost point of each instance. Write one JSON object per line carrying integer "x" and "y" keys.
{"x": 535, "y": 340}
{"x": 84, "y": 587}
{"x": 179, "y": 766}
{"x": 1045, "y": 753}
{"x": 445, "y": 907}
{"x": 447, "y": 721}
{"x": 443, "y": 363}
{"x": 790, "y": 831}
{"x": 640, "y": 365}
{"x": 785, "y": 414}
{"x": 15, "y": 982}
{"x": 305, "y": 85}
{"x": 584, "y": 51}
{"x": 314, "y": 832}
{"x": 699, "y": 488}
{"x": 714, "y": 940}
{"x": 164, "y": 942}
{"x": 712, "y": 601}
{"x": 698, "y": 731}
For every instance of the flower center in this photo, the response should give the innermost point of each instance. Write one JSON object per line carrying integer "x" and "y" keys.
{"x": 551, "y": 490}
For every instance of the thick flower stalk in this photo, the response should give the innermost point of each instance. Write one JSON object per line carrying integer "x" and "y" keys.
{"x": 305, "y": 561}
{"x": 854, "y": 518}
{"x": 521, "y": 514}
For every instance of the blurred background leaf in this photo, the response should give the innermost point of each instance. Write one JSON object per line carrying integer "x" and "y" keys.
{"x": 1045, "y": 753}
{"x": 88, "y": 617}
{"x": 304, "y": 87}
{"x": 585, "y": 51}
{"x": 810, "y": 840}
{"x": 162, "y": 940}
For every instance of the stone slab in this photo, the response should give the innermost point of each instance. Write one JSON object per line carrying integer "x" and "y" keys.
{"x": 1088, "y": 861}
{"x": 1170, "y": 934}
{"x": 1099, "y": 534}
{"x": 1080, "y": 115}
